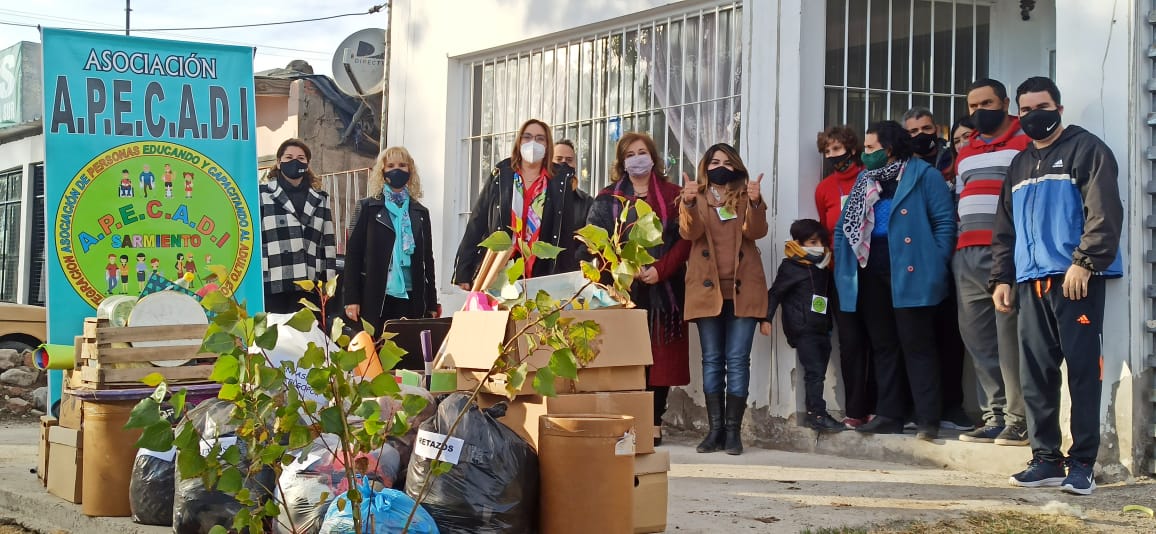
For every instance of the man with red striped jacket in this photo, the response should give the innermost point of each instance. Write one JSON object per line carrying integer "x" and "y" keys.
{"x": 991, "y": 338}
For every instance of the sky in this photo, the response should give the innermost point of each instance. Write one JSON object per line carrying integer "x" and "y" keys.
{"x": 314, "y": 42}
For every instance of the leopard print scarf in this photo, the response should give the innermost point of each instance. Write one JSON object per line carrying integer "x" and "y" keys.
{"x": 859, "y": 213}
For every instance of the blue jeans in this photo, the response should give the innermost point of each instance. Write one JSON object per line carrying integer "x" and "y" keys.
{"x": 726, "y": 351}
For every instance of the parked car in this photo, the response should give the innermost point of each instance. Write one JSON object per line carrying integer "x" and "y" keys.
{"x": 22, "y": 327}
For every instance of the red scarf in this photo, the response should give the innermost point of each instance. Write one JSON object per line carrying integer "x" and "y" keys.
{"x": 526, "y": 212}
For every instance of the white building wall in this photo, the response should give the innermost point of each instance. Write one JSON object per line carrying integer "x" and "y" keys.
{"x": 23, "y": 153}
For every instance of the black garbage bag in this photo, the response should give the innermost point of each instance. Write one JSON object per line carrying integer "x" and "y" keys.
{"x": 196, "y": 509}
{"x": 493, "y": 489}
{"x": 150, "y": 490}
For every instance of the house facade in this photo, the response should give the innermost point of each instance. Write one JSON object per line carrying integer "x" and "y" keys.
{"x": 767, "y": 75}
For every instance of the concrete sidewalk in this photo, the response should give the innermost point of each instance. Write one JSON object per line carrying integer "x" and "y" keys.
{"x": 760, "y": 491}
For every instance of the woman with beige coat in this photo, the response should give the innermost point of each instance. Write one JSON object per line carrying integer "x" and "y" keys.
{"x": 722, "y": 213}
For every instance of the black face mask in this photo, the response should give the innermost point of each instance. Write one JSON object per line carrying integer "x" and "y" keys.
{"x": 1039, "y": 124}
{"x": 838, "y": 163}
{"x": 987, "y": 121}
{"x": 722, "y": 176}
{"x": 397, "y": 178}
{"x": 293, "y": 169}
{"x": 924, "y": 144}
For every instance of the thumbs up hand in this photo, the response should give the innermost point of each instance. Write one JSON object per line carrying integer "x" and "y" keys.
{"x": 753, "y": 188}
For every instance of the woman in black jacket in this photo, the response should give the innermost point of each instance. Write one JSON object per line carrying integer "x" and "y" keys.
{"x": 530, "y": 197}
{"x": 389, "y": 266}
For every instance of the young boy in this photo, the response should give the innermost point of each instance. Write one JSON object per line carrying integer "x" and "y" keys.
{"x": 801, "y": 287}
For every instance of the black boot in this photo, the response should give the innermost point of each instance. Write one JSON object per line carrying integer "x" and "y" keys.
{"x": 734, "y": 424}
{"x": 821, "y": 421}
{"x": 714, "y": 413}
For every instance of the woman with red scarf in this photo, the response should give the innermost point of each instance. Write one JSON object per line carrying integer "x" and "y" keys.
{"x": 638, "y": 175}
{"x": 840, "y": 147}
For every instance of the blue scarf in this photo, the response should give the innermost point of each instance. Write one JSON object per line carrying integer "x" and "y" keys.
{"x": 403, "y": 244}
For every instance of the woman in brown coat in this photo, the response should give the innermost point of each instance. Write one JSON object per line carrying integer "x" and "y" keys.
{"x": 722, "y": 213}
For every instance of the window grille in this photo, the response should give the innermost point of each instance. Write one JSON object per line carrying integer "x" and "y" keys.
{"x": 345, "y": 189}
{"x": 11, "y": 189}
{"x": 887, "y": 56}
{"x": 36, "y": 288}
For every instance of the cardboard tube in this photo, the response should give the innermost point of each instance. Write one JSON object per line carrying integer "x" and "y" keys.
{"x": 54, "y": 357}
{"x": 483, "y": 270}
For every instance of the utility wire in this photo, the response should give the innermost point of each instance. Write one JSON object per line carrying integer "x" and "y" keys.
{"x": 374, "y": 9}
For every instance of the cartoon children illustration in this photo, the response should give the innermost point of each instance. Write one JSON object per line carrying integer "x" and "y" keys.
{"x": 141, "y": 270}
{"x": 168, "y": 177}
{"x": 155, "y": 263}
{"x": 110, "y": 273}
{"x": 180, "y": 266}
{"x": 125, "y": 190}
{"x": 188, "y": 184}
{"x": 191, "y": 267}
{"x": 124, "y": 273}
{"x": 147, "y": 179}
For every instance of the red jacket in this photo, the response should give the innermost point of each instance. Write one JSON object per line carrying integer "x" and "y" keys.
{"x": 829, "y": 196}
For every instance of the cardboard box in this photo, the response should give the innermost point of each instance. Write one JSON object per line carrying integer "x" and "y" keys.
{"x": 474, "y": 340}
{"x": 71, "y": 412}
{"x": 650, "y": 491}
{"x": 523, "y": 412}
{"x": 46, "y": 423}
{"x": 64, "y": 463}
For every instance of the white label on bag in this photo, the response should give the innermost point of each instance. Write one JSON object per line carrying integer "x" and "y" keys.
{"x": 429, "y": 443}
{"x": 166, "y": 456}
{"x": 625, "y": 446}
{"x": 226, "y": 442}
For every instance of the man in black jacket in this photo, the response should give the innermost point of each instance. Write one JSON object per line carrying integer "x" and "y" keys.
{"x": 1057, "y": 238}
{"x": 802, "y": 286}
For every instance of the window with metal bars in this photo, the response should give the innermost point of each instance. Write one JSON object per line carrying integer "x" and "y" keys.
{"x": 676, "y": 77}
{"x": 37, "y": 276}
{"x": 887, "y": 56}
{"x": 11, "y": 189}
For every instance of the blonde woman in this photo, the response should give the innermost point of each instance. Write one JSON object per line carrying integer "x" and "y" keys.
{"x": 722, "y": 213}
{"x": 389, "y": 266}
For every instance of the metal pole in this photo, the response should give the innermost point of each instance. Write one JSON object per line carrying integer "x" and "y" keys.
{"x": 127, "y": 10}
{"x": 382, "y": 145}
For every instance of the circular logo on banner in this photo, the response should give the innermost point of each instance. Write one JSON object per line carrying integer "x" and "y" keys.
{"x": 152, "y": 211}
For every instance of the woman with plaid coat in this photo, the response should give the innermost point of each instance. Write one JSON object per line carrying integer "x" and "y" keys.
{"x": 297, "y": 233}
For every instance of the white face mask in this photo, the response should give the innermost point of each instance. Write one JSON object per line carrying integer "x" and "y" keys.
{"x": 533, "y": 151}
{"x": 816, "y": 251}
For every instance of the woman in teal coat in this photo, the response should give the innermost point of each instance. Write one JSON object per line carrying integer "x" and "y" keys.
{"x": 893, "y": 246}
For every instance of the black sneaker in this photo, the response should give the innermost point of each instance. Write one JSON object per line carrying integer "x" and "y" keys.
{"x": 983, "y": 434}
{"x": 927, "y": 432}
{"x": 1013, "y": 435}
{"x": 956, "y": 419}
{"x": 1040, "y": 474}
{"x": 882, "y": 425}
{"x": 1081, "y": 478}
{"x": 823, "y": 422}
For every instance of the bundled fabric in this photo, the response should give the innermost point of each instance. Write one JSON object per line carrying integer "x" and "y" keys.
{"x": 196, "y": 509}
{"x": 494, "y": 486}
{"x": 309, "y": 484}
{"x": 382, "y": 510}
{"x": 150, "y": 490}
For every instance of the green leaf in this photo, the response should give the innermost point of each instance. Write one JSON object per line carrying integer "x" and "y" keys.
{"x": 178, "y": 402}
{"x": 271, "y": 453}
{"x": 156, "y": 437}
{"x": 217, "y": 302}
{"x": 299, "y": 436}
{"x": 314, "y": 357}
{"x": 384, "y": 385}
{"x": 145, "y": 413}
{"x": 267, "y": 338}
{"x": 230, "y": 481}
{"x": 218, "y": 529}
{"x": 270, "y": 378}
{"x": 308, "y": 305}
{"x": 583, "y": 337}
{"x": 519, "y": 313}
{"x": 390, "y": 354}
{"x": 331, "y": 287}
{"x": 590, "y": 272}
{"x": 634, "y": 252}
{"x": 368, "y": 409}
{"x": 347, "y": 361}
{"x": 229, "y": 392}
{"x": 545, "y": 302}
{"x": 318, "y": 378}
{"x": 226, "y": 369}
{"x": 517, "y": 377}
{"x": 190, "y": 463}
{"x": 332, "y": 421}
{"x": 439, "y": 468}
{"x": 306, "y": 285}
{"x": 187, "y": 438}
{"x": 498, "y": 242}
{"x": 154, "y": 380}
{"x": 515, "y": 271}
{"x": 302, "y": 321}
{"x": 335, "y": 328}
{"x": 647, "y": 231}
{"x": 232, "y": 455}
{"x": 413, "y": 404}
{"x": 368, "y": 328}
{"x": 544, "y": 382}
{"x": 564, "y": 364}
{"x": 544, "y": 250}
{"x": 271, "y": 508}
{"x": 595, "y": 237}
{"x": 218, "y": 342}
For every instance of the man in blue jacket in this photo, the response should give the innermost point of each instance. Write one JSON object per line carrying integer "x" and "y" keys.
{"x": 1057, "y": 236}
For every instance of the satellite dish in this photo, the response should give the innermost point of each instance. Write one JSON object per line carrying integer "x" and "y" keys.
{"x": 359, "y": 63}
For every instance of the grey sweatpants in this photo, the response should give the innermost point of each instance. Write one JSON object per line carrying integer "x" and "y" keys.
{"x": 991, "y": 338}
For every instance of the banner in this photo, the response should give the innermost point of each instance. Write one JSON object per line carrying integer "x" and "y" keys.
{"x": 150, "y": 168}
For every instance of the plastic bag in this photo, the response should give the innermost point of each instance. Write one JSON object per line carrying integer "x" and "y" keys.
{"x": 318, "y": 473}
{"x": 195, "y": 508}
{"x": 150, "y": 490}
{"x": 494, "y": 486}
{"x": 382, "y": 511}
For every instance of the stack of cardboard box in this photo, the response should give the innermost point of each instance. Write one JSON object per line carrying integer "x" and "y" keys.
{"x": 614, "y": 383}
{"x": 61, "y": 450}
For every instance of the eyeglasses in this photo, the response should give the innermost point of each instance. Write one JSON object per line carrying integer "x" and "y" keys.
{"x": 527, "y": 137}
